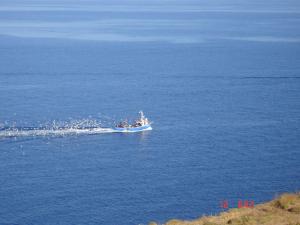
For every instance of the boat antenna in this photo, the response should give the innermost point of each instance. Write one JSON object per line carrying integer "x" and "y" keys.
{"x": 142, "y": 114}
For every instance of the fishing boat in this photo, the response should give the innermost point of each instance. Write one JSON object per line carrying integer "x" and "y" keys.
{"x": 141, "y": 124}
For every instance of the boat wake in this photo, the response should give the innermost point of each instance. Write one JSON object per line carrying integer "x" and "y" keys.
{"x": 24, "y": 132}
{"x": 76, "y": 127}
{"x": 55, "y": 128}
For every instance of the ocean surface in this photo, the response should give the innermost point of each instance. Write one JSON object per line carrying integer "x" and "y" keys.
{"x": 219, "y": 79}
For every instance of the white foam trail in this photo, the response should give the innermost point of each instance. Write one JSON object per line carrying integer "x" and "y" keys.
{"x": 53, "y": 132}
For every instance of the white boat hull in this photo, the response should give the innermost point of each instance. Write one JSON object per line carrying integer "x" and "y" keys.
{"x": 133, "y": 129}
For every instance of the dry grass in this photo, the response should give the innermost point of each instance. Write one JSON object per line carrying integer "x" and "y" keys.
{"x": 284, "y": 210}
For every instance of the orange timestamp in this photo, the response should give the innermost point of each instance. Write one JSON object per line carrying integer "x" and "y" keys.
{"x": 240, "y": 204}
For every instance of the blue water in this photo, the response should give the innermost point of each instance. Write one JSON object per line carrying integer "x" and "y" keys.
{"x": 220, "y": 80}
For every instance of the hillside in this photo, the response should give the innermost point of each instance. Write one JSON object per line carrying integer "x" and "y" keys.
{"x": 284, "y": 210}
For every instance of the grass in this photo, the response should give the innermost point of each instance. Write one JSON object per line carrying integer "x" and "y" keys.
{"x": 284, "y": 210}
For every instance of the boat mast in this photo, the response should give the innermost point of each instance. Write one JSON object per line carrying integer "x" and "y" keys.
{"x": 142, "y": 117}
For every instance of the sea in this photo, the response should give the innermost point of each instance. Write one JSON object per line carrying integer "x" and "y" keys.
{"x": 219, "y": 79}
